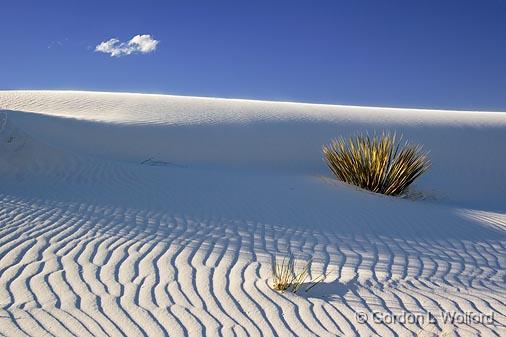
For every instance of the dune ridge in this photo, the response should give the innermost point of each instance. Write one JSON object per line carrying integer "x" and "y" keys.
{"x": 151, "y": 235}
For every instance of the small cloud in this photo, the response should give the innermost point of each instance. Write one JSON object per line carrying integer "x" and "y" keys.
{"x": 139, "y": 44}
{"x": 54, "y": 44}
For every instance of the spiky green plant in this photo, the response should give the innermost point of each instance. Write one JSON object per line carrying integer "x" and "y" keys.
{"x": 380, "y": 164}
{"x": 286, "y": 277}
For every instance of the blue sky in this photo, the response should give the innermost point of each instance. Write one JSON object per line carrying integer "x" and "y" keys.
{"x": 411, "y": 53}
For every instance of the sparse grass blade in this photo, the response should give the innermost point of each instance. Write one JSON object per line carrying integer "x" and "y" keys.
{"x": 283, "y": 274}
{"x": 286, "y": 277}
{"x": 301, "y": 276}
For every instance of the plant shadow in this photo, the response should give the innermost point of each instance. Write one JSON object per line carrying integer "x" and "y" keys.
{"x": 328, "y": 290}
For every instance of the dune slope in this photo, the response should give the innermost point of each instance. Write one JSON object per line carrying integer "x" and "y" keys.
{"x": 154, "y": 215}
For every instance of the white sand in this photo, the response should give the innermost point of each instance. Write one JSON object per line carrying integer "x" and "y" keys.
{"x": 94, "y": 243}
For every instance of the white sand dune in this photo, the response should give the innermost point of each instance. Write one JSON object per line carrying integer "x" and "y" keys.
{"x": 154, "y": 215}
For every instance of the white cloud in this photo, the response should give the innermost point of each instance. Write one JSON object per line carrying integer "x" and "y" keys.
{"x": 142, "y": 44}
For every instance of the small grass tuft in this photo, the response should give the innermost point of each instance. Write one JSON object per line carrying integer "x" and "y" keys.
{"x": 285, "y": 276}
{"x": 380, "y": 164}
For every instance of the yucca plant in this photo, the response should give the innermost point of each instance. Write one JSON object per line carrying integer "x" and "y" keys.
{"x": 380, "y": 164}
{"x": 286, "y": 277}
